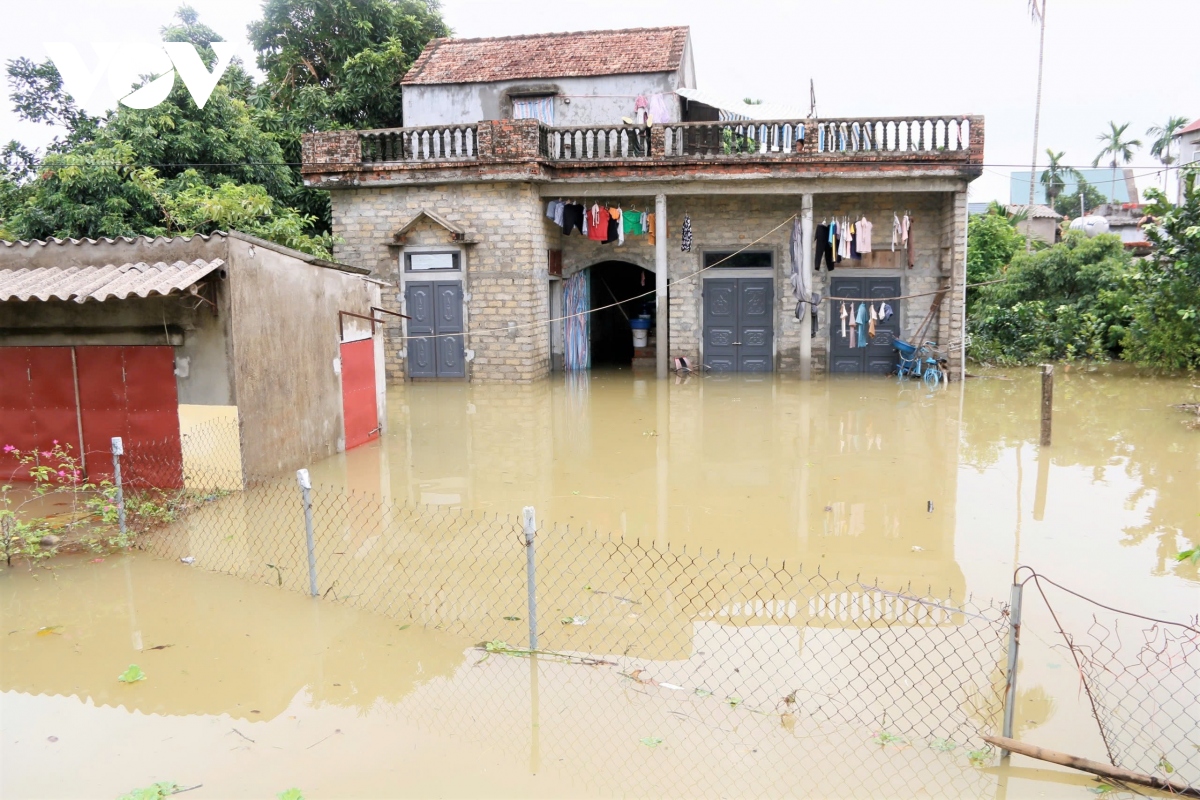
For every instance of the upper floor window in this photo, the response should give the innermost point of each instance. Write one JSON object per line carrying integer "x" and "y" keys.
{"x": 540, "y": 108}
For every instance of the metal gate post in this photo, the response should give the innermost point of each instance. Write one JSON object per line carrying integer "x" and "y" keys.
{"x": 306, "y": 497}
{"x": 1014, "y": 646}
{"x": 530, "y": 579}
{"x": 118, "y": 450}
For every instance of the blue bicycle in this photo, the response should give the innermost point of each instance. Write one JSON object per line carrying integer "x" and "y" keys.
{"x": 919, "y": 362}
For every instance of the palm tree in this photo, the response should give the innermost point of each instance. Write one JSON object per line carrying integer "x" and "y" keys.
{"x": 1054, "y": 177}
{"x": 1164, "y": 138}
{"x": 1118, "y": 149}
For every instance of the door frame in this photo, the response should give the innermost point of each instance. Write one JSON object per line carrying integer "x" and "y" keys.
{"x": 719, "y": 273}
{"x": 403, "y": 276}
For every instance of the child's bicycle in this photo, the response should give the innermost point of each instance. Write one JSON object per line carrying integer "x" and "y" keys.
{"x": 919, "y": 362}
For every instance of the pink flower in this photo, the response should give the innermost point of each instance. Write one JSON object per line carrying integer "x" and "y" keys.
{"x": 46, "y": 454}
{"x": 62, "y": 474}
{"x": 8, "y": 448}
{"x": 56, "y": 441}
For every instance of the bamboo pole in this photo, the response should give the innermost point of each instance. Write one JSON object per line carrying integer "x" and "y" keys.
{"x": 1047, "y": 401}
{"x": 1087, "y": 765}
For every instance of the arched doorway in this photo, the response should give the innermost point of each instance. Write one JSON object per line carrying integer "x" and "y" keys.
{"x": 616, "y": 294}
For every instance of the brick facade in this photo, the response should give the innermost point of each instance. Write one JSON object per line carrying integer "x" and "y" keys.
{"x": 506, "y": 285}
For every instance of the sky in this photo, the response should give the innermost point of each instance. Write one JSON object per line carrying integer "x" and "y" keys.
{"x": 1123, "y": 60}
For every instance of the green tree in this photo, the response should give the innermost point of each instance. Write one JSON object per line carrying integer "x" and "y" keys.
{"x": 1068, "y": 204}
{"x": 1068, "y": 301}
{"x": 1164, "y": 140}
{"x": 1165, "y": 331}
{"x": 1117, "y": 150}
{"x": 338, "y": 63}
{"x": 1054, "y": 177}
{"x": 992, "y": 241}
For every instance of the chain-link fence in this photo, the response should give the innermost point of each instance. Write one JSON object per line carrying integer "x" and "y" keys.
{"x": 766, "y": 658}
{"x": 1139, "y": 675}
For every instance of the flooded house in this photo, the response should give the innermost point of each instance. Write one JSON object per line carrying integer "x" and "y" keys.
{"x": 203, "y": 353}
{"x": 487, "y": 213}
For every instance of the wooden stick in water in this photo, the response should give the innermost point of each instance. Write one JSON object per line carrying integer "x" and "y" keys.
{"x": 1087, "y": 765}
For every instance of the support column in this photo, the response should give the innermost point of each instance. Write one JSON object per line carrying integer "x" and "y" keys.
{"x": 662, "y": 316}
{"x": 806, "y": 269}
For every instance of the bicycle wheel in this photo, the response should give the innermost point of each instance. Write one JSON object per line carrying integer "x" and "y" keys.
{"x": 932, "y": 377}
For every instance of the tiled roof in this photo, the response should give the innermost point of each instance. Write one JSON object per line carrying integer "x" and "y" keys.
{"x": 100, "y": 283}
{"x": 1195, "y": 126}
{"x": 549, "y": 55}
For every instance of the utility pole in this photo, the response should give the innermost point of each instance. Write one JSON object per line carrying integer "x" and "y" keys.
{"x": 1039, "y": 14}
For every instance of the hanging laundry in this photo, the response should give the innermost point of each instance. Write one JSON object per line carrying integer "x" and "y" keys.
{"x": 871, "y": 323}
{"x": 864, "y": 226}
{"x": 885, "y": 312}
{"x": 554, "y": 211}
{"x": 640, "y": 110}
{"x": 597, "y": 220}
{"x": 631, "y": 223}
{"x": 685, "y": 243}
{"x": 610, "y": 216}
{"x": 585, "y": 222}
{"x": 572, "y": 218}
{"x": 660, "y": 109}
{"x": 644, "y": 221}
{"x": 619, "y": 217}
{"x": 853, "y": 328}
{"x": 650, "y": 228}
{"x": 908, "y": 243}
{"x": 824, "y": 248}
{"x": 862, "y": 318}
{"x": 801, "y": 279}
{"x": 895, "y": 231}
{"x": 845, "y": 314}
{"x": 853, "y": 244}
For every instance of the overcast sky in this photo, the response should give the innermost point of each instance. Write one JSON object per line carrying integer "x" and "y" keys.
{"x": 1123, "y": 60}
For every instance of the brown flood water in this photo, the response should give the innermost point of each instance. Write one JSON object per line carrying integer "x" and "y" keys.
{"x": 260, "y": 690}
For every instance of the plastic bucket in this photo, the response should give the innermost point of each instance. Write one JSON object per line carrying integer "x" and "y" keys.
{"x": 640, "y": 337}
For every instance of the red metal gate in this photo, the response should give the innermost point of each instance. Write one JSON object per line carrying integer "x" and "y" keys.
{"x": 83, "y": 397}
{"x": 359, "y": 407}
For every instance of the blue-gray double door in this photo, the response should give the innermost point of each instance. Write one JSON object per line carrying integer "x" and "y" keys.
{"x": 436, "y": 309}
{"x": 878, "y": 357}
{"x": 738, "y": 330}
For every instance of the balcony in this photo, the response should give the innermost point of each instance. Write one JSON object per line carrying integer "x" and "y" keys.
{"x": 529, "y": 150}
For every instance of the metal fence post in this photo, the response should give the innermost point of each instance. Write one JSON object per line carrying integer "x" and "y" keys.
{"x": 118, "y": 450}
{"x": 1014, "y": 645}
{"x": 306, "y": 497}
{"x": 530, "y": 562}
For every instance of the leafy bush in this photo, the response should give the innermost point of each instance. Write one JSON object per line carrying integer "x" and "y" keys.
{"x": 992, "y": 241}
{"x": 1165, "y": 331}
{"x": 1068, "y": 301}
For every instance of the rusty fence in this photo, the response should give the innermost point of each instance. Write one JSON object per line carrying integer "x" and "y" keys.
{"x": 783, "y": 662}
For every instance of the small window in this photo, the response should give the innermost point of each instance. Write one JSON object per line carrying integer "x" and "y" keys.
{"x": 540, "y": 108}
{"x": 747, "y": 259}
{"x": 427, "y": 262}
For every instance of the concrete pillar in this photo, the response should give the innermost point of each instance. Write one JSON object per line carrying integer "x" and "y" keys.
{"x": 662, "y": 315}
{"x": 806, "y": 268}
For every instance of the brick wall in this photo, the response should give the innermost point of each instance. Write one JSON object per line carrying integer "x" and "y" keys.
{"x": 733, "y": 222}
{"x": 505, "y": 275}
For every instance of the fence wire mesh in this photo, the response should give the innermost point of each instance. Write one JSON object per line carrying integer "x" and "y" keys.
{"x": 1139, "y": 676}
{"x": 714, "y": 653}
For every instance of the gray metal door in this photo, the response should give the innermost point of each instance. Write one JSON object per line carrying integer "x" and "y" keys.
{"x": 738, "y": 329}
{"x": 878, "y": 357}
{"x": 436, "y": 309}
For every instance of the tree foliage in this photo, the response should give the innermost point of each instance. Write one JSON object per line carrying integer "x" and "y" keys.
{"x": 179, "y": 169}
{"x": 1165, "y": 330}
{"x": 1068, "y": 204}
{"x": 1068, "y": 301}
{"x": 992, "y": 241}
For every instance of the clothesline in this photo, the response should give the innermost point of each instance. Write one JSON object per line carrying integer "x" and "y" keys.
{"x": 907, "y": 296}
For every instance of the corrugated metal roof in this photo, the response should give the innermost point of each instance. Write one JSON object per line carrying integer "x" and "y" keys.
{"x": 100, "y": 283}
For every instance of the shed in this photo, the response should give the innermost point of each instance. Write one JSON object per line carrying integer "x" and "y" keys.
{"x": 215, "y": 358}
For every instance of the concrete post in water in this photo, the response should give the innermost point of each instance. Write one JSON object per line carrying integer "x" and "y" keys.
{"x": 530, "y": 578}
{"x": 806, "y": 267}
{"x": 306, "y": 497}
{"x": 661, "y": 312}
{"x": 1014, "y": 645}
{"x": 1047, "y": 401}
{"x": 118, "y": 450}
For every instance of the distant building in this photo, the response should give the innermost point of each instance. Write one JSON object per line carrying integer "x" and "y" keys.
{"x": 975, "y": 209}
{"x": 1125, "y": 220}
{"x": 1041, "y": 222}
{"x": 1124, "y": 190}
{"x": 1188, "y": 142}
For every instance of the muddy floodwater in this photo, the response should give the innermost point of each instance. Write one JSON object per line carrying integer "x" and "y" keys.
{"x": 251, "y": 690}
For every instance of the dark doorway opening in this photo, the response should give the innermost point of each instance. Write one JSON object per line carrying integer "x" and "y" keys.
{"x": 616, "y": 282}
